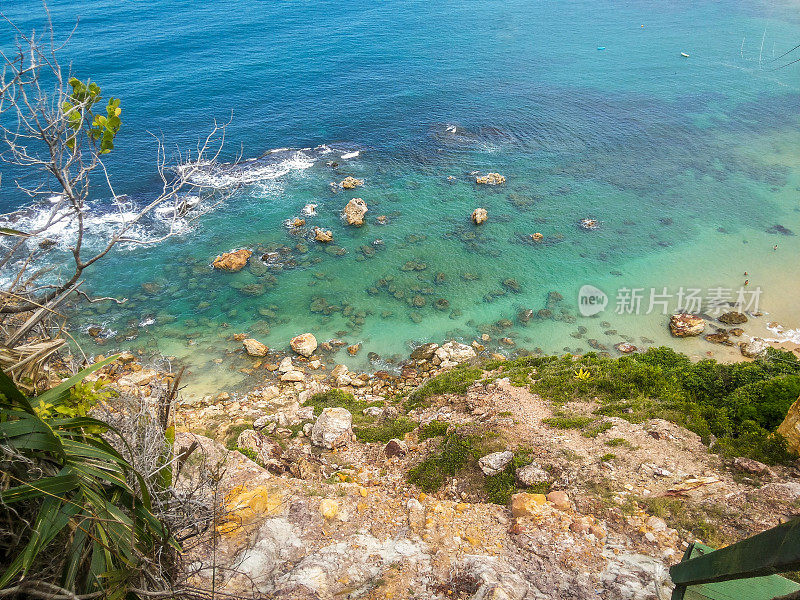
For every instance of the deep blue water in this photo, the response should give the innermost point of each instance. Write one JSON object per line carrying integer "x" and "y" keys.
{"x": 664, "y": 150}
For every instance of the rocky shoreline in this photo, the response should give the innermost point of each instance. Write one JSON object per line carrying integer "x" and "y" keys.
{"x": 315, "y": 503}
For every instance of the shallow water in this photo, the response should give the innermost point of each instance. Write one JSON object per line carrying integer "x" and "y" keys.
{"x": 685, "y": 163}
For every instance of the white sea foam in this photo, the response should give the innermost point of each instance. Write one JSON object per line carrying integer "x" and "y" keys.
{"x": 249, "y": 172}
{"x": 783, "y": 334}
{"x": 348, "y": 155}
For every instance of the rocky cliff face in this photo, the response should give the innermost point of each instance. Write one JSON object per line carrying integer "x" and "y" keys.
{"x": 332, "y": 504}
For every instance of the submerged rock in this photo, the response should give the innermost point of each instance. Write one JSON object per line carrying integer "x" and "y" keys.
{"x": 479, "y": 215}
{"x": 686, "y": 325}
{"x": 353, "y": 213}
{"x": 732, "y": 318}
{"x": 232, "y": 261}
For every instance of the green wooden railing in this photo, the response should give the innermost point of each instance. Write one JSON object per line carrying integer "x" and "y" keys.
{"x": 746, "y": 570}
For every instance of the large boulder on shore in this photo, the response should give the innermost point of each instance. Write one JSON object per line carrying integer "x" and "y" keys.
{"x": 754, "y": 348}
{"x": 333, "y": 428}
{"x": 232, "y": 261}
{"x": 686, "y": 325}
{"x": 254, "y": 347}
{"x": 494, "y": 463}
{"x": 267, "y": 450}
{"x": 354, "y": 212}
{"x": 455, "y": 352}
{"x": 304, "y": 344}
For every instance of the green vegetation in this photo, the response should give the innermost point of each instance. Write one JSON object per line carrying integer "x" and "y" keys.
{"x": 701, "y": 520}
{"x": 614, "y": 442}
{"x": 597, "y": 429}
{"x": 81, "y": 512}
{"x": 739, "y": 404}
{"x": 455, "y": 381}
{"x": 562, "y": 421}
{"x": 232, "y": 436}
{"x": 607, "y": 457}
{"x": 500, "y": 487}
{"x": 389, "y": 429}
{"x": 249, "y": 453}
{"x": 454, "y": 454}
{"x": 432, "y": 430}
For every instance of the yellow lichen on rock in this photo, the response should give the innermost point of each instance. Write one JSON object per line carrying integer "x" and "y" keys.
{"x": 527, "y": 505}
{"x": 243, "y": 505}
{"x": 329, "y": 508}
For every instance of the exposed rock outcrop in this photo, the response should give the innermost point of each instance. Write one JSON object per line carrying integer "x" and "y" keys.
{"x": 490, "y": 179}
{"x": 304, "y": 344}
{"x": 350, "y": 183}
{"x": 479, "y": 216}
{"x": 333, "y": 428}
{"x": 354, "y": 212}
{"x": 686, "y": 325}
{"x": 232, "y": 261}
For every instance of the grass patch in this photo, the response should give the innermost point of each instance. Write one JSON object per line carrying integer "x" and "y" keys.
{"x": 595, "y": 430}
{"x": 615, "y": 442}
{"x": 396, "y": 428}
{"x": 455, "y": 381}
{"x": 607, "y": 457}
{"x": 702, "y": 521}
{"x": 432, "y": 430}
{"x": 568, "y": 421}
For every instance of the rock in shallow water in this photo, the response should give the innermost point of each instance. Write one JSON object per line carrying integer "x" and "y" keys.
{"x": 254, "y": 347}
{"x": 232, "y": 261}
{"x": 354, "y": 212}
{"x": 686, "y": 325}
{"x": 304, "y": 344}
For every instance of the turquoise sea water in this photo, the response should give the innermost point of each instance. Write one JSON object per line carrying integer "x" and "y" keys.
{"x": 685, "y": 162}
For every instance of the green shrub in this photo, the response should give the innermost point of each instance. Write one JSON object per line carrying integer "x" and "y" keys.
{"x": 390, "y": 429}
{"x": 454, "y": 454}
{"x": 79, "y": 512}
{"x": 432, "y": 430}
{"x": 739, "y": 404}
{"x": 455, "y": 381}
{"x": 500, "y": 487}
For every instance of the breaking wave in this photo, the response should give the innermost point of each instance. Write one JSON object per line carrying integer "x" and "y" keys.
{"x": 271, "y": 165}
